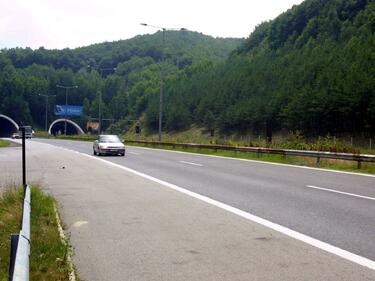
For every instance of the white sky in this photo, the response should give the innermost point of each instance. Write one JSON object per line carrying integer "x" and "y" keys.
{"x": 73, "y": 23}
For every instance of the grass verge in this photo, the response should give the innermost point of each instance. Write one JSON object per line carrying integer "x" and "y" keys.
{"x": 4, "y": 143}
{"x": 342, "y": 165}
{"x": 48, "y": 257}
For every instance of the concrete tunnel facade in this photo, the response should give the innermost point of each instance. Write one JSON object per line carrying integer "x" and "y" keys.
{"x": 7, "y": 126}
{"x": 58, "y": 126}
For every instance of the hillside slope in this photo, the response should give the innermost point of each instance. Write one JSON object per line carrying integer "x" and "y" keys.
{"x": 311, "y": 69}
{"x": 126, "y": 73}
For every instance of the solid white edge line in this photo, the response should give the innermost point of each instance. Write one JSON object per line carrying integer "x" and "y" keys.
{"x": 191, "y": 163}
{"x": 340, "y": 192}
{"x": 258, "y": 161}
{"x": 71, "y": 273}
{"x": 279, "y": 228}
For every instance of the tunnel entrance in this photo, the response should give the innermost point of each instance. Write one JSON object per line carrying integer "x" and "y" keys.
{"x": 7, "y": 126}
{"x": 58, "y": 127}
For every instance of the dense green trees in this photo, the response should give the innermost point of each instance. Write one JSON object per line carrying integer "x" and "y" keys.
{"x": 125, "y": 74}
{"x": 312, "y": 69}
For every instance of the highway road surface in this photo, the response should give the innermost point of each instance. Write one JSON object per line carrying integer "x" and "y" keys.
{"x": 225, "y": 201}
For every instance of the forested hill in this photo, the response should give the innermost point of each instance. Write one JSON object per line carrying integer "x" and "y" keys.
{"x": 126, "y": 72}
{"x": 311, "y": 69}
{"x": 182, "y": 46}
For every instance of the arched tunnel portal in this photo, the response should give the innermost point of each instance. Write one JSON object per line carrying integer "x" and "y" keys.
{"x": 58, "y": 127}
{"x": 7, "y": 126}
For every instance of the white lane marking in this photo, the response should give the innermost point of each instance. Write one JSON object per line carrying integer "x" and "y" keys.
{"x": 257, "y": 161}
{"x": 191, "y": 163}
{"x": 135, "y": 153}
{"x": 279, "y": 228}
{"x": 79, "y": 223}
{"x": 71, "y": 273}
{"x": 340, "y": 192}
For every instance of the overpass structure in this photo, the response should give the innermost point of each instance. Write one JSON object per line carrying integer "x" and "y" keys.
{"x": 58, "y": 126}
{"x": 7, "y": 126}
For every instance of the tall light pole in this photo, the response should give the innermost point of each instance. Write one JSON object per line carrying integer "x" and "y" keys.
{"x": 46, "y": 120}
{"x": 66, "y": 100}
{"x": 101, "y": 69}
{"x": 163, "y": 29}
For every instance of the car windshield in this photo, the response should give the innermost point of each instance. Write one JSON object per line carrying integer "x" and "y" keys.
{"x": 112, "y": 139}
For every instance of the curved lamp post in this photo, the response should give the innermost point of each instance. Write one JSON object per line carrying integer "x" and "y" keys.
{"x": 66, "y": 99}
{"x": 101, "y": 69}
{"x": 46, "y": 120}
{"x": 163, "y": 29}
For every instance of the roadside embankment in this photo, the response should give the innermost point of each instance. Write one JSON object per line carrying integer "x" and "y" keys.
{"x": 48, "y": 253}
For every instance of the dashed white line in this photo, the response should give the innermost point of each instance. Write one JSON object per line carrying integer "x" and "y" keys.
{"x": 341, "y": 192}
{"x": 258, "y": 161}
{"x": 135, "y": 153}
{"x": 191, "y": 163}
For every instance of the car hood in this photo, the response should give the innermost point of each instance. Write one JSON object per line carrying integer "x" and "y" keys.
{"x": 112, "y": 144}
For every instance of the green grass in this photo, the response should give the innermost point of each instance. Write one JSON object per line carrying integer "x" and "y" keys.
{"x": 10, "y": 218}
{"x": 48, "y": 258}
{"x": 342, "y": 165}
{"x": 83, "y": 137}
{"x": 291, "y": 140}
{"x": 4, "y": 143}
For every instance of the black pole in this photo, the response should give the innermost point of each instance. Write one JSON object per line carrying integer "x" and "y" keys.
{"x": 23, "y": 158}
{"x": 13, "y": 250}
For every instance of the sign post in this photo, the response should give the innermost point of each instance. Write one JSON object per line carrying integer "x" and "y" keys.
{"x": 23, "y": 157}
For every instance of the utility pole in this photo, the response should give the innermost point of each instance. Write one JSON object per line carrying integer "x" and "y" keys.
{"x": 66, "y": 101}
{"x": 46, "y": 118}
{"x": 163, "y": 29}
{"x": 101, "y": 69}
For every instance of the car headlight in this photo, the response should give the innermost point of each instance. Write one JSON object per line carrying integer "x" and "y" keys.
{"x": 102, "y": 146}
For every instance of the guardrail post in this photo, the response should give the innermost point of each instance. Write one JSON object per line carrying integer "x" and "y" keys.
{"x": 318, "y": 161}
{"x": 13, "y": 251}
{"x": 359, "y": 164}
{"x": 20, "y": 244}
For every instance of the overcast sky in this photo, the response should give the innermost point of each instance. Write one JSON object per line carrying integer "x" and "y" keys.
{"x": 73, "y": 23}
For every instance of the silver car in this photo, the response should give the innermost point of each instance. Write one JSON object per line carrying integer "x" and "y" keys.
{"x": 16, "y": 135}
{"x": 108, "y": 144}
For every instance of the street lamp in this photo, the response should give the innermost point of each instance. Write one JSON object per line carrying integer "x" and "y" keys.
{"x": 101, "y": 69}
{"x": 163, "y": 29}
{"x": 66, "y": 100}
{"x": 46, "y": 96}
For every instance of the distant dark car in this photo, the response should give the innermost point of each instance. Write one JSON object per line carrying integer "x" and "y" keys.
{"x": 108, "y": 145}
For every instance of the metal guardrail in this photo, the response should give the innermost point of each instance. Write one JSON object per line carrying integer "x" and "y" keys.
{"x": 20, "y": 244}
{"x": 359, "y": 158}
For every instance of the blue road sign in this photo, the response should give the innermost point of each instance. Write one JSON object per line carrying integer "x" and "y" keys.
{"x": 68, "y": 110}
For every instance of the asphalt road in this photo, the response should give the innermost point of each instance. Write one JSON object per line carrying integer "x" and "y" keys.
{"x": 336, "y": 208}
{"x": 124, "y": 225}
